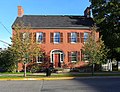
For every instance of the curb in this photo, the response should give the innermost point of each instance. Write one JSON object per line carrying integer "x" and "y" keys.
{"x": 55, "y": 78}
{"x": 50, "y": 78}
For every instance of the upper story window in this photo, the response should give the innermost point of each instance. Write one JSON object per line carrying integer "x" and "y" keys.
{"x": 25, "y": 36}
{"x": 56, "y": 37}
{"x": 40, "y": 37}
{"x": 73, "y": 37}
{"x": 85, "y": 36}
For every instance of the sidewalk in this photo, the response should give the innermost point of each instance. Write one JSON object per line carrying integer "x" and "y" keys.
{"x": 60, "y": 78}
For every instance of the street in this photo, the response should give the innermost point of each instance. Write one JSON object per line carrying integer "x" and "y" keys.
{"x": 75, "y": 85}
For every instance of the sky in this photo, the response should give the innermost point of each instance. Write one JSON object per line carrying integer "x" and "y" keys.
{"x": 8, "y": 12}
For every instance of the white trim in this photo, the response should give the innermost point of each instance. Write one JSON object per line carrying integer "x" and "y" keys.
{"x": 37, "y": 36}
{"x": 52, "y": 58}
{"x": 72, "y": 56}
{"x": 73, "y": 61}
{"x": 37, "y": 60}
{"x": 73, "y": 42}
{"x": 73, "y": 35}
{"x": 54, "y": 37}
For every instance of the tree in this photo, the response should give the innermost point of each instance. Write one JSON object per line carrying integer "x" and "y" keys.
{"x": 106, "y": 14}
{"x": 24, "y": 44}
{"x": 94, "y": 50}
{"x": 8, "y": 60}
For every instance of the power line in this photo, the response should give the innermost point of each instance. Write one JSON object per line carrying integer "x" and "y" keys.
{"x": 4, "y": 42}
{"x": 5, "y": 28}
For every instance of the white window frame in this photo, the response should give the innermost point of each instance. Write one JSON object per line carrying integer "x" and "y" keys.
{"x": 25, "y": 36}
{"x": 38, "y": 60}
{"x": 37, "y": 37}
{"x": 54, "y": 37}
{"x": 86, "y": 34}
{"x": 72, "y": 37}
{"x": 74, "y": 56}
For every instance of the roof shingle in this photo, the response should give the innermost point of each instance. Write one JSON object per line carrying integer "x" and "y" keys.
{"x": 54, "y": 21}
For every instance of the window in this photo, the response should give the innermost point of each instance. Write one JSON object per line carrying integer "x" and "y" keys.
{"x": 85, "y": 36}
{"x": 73, "y": 37}
{"x": 62, "y": 57}
{"x": 73, "y": 56}
{"x": 39, "y": 59}
{"x": 56, "y": 37}
{"x": 86, "y": 57}
{"x": 25, "y": 36}
{"x": 40, "y": 37}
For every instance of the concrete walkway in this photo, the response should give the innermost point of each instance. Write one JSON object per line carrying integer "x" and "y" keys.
{"x": 58, "y": 78}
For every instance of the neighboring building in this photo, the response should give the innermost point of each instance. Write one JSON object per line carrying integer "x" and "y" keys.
{"x": 60, "y": 36}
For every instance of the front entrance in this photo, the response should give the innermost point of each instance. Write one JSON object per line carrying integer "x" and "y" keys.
{"x": 57, "y": 58}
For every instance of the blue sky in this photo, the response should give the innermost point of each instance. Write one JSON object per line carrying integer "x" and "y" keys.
{"x": 8, "y": 12}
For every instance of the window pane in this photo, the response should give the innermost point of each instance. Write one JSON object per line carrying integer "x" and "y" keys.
{"x": 73, "y": 56}
{"x": 85, "y": 37}
{"x": 74, "y": 37}
{"x": 56, "y": 37}
{"x": 40, "y": 59}
{"x": 52, "y": 58}
{"x": 40, "y": 37}
{"x": 61, "y": 57}
{"x": 25, "y": 36}
{"x": 74, "y": 59}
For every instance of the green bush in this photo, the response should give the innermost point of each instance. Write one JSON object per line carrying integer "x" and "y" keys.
{"x": 35, "y": 68}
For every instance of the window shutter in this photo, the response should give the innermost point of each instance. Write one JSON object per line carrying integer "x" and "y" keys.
{"x": 82, "y": 37}
{"x": 21, "y": 36}
{"x": 78, "y": 37}
{"x": 30, "y": 36}
{"x": 82, "y": 55}
{"x": 44, "y": 37}
{"x": 68, "y": 35}
{"x": 34, "y": 37}
{"x": 69, "y": 56}
{"x": 51, "y": 37}
{"x": 78, "y": 56}
{"x": 61, "y": 37}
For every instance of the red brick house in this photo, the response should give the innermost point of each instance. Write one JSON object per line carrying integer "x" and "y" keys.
{"x": 60, "y": 36}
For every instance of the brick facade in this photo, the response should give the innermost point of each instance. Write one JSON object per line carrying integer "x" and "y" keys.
{"x": 69, "y": 33}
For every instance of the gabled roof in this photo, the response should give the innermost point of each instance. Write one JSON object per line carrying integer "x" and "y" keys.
{"x": 54, "y": 21}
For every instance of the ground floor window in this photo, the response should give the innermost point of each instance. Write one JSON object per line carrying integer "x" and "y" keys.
{"x": 73, "y": 56}
{"x": 39, "y": 59}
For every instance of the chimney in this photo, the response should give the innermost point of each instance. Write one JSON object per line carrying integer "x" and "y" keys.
{"x": 87, "y": 12}
{"x": 20, "y": 11}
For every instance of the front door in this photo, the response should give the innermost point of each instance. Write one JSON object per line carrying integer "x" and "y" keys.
{"x": 57, "y": 60}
